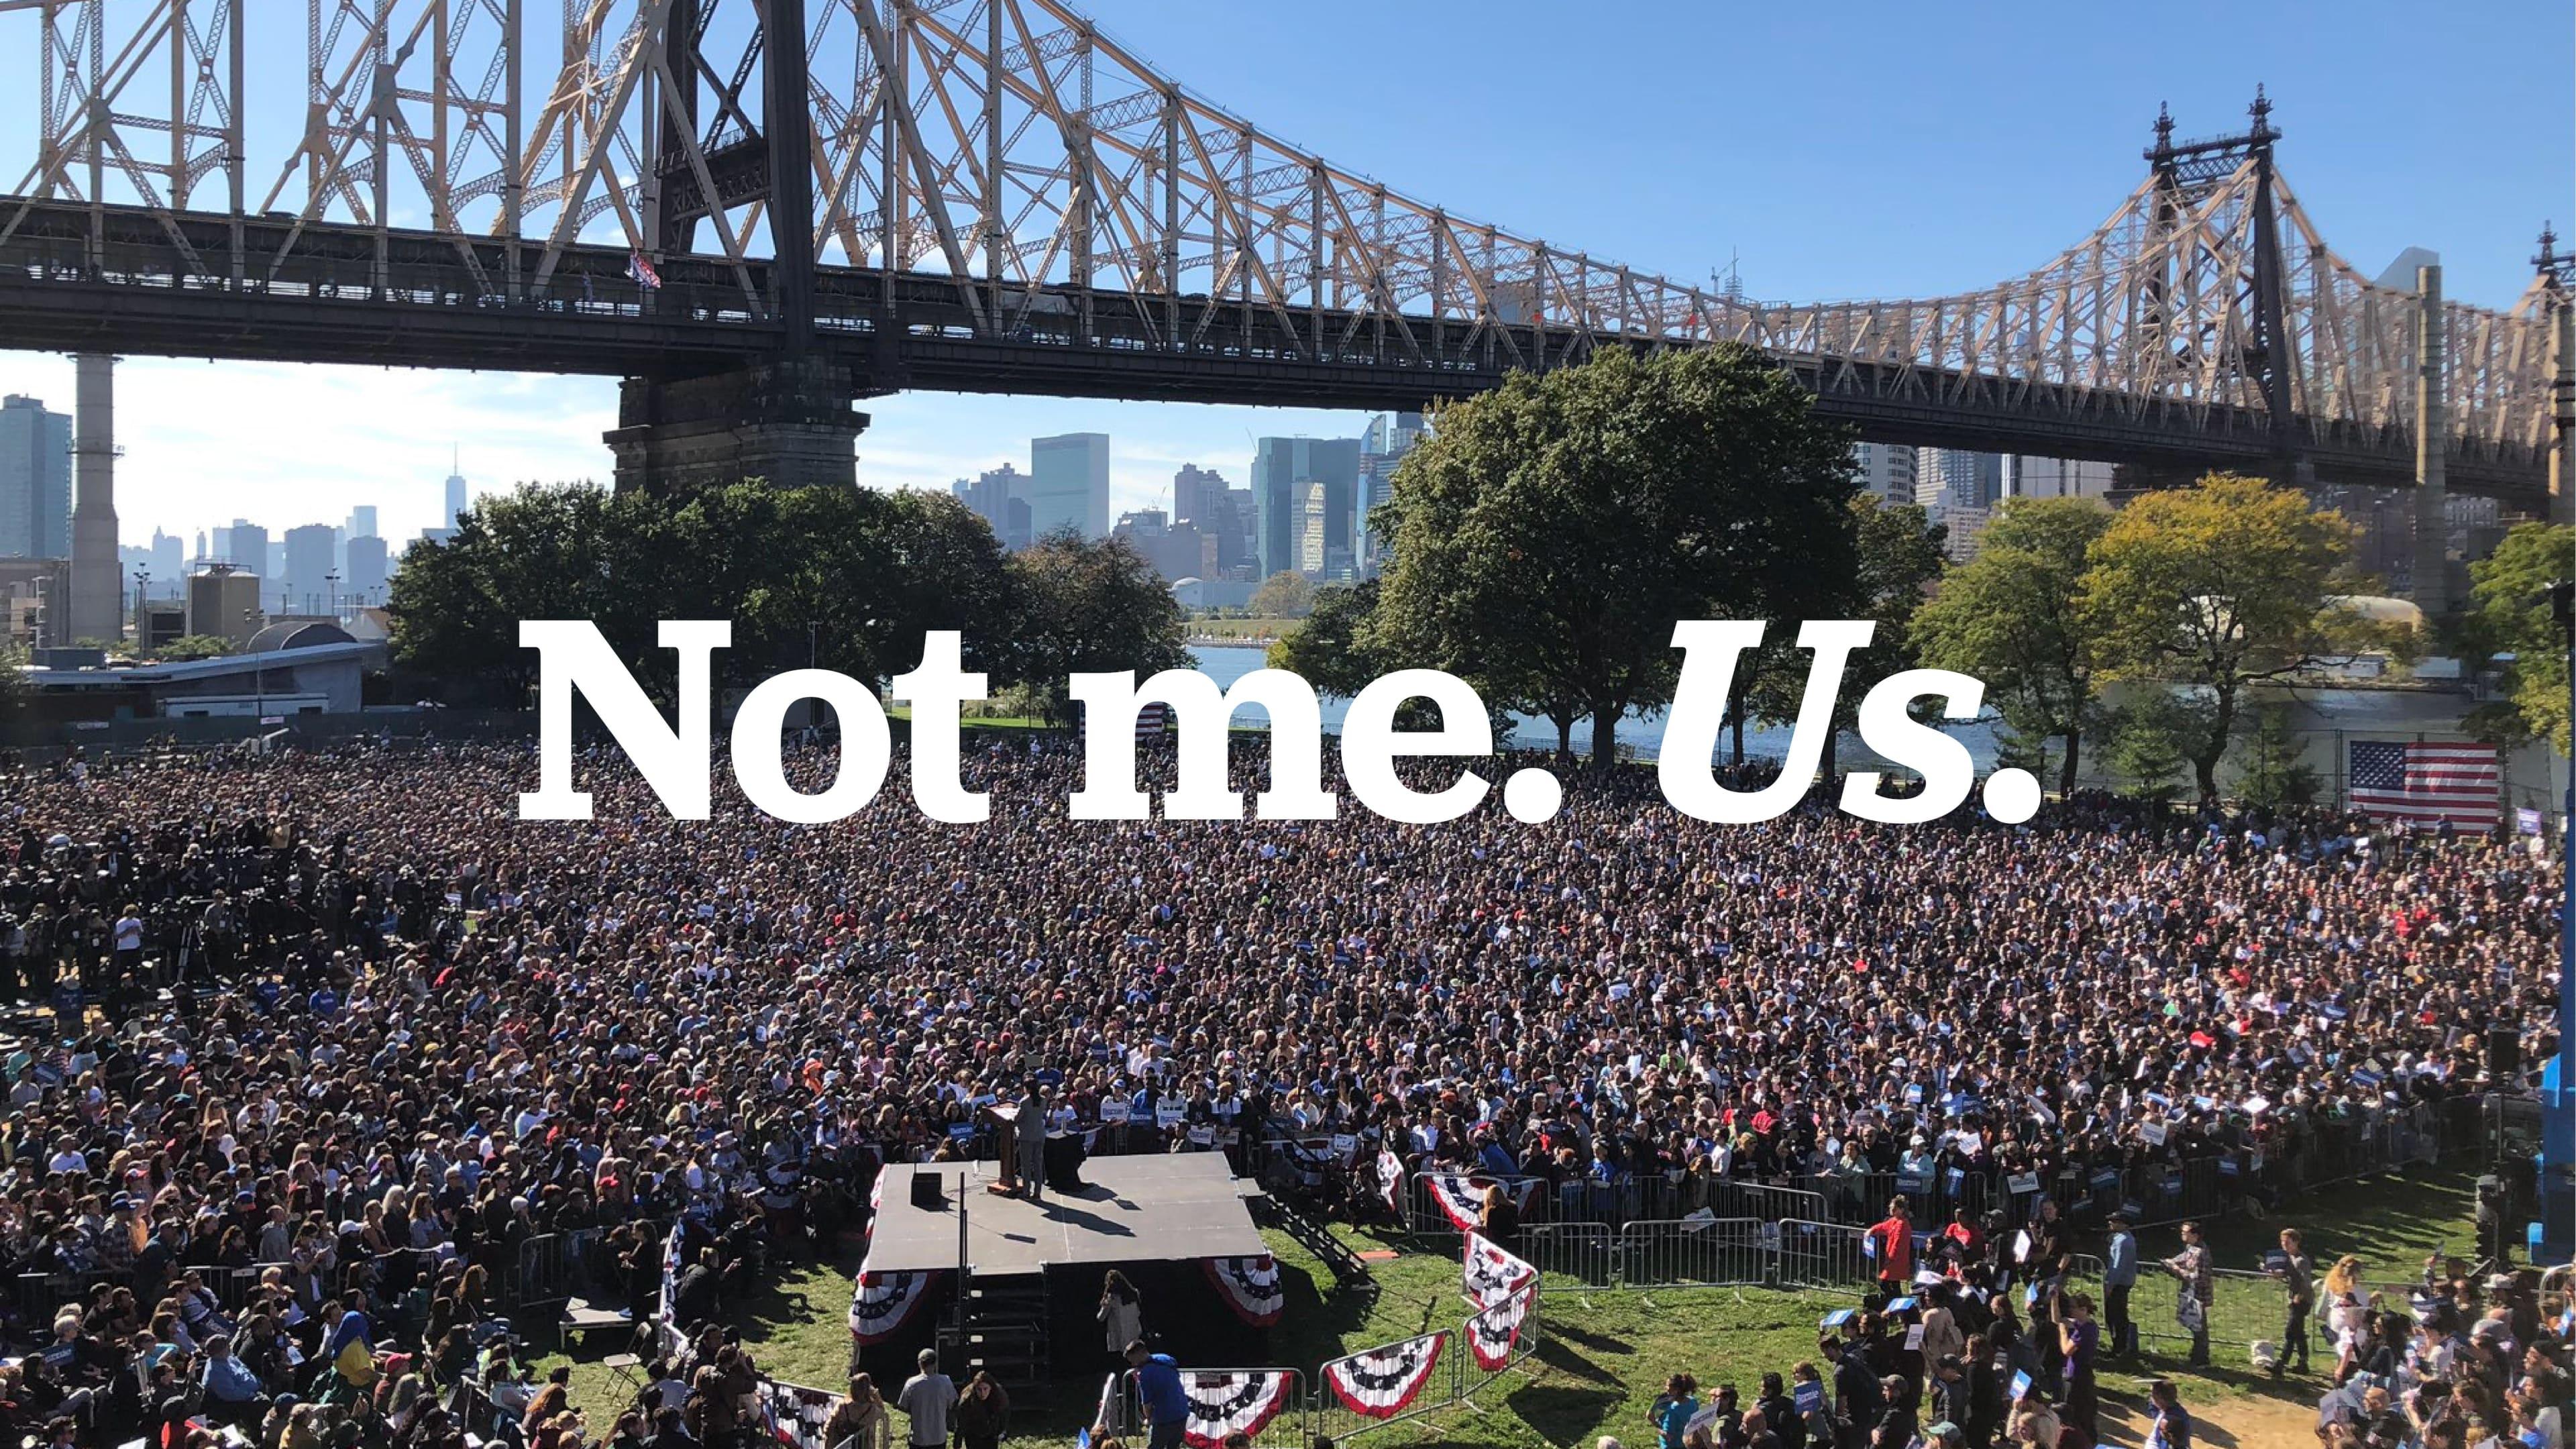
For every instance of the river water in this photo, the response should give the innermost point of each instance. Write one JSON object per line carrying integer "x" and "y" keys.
{"x": 1644, "y": 734}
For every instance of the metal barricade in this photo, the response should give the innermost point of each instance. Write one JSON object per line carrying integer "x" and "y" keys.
{"x": 1585, "y": 1252}
{"x": 1442, "y": 1383}
{"x": 1736, "y": 1199}
{"x": 1704, "y": 1252}
{"x": 1821, "y": 1255}
{"x": 545, "y": 1271}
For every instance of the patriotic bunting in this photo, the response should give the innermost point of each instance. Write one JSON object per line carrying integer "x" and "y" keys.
{"x": 884, "y": 1302}
{"x": 1233, "y": 1403}
{"x": 1380, "y": 1383}
{"x": 1493, "y": 1333}
{"x": 794, "y": 1415}
{"x": 1390, "y": 1180}
{"x": 1461, "y": 1198}
{"x": 1249, "y": 1286}
{"x": 1491, "y": 1273}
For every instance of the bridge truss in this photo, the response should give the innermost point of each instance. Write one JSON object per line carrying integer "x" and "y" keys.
{"x": 996, "y": 195}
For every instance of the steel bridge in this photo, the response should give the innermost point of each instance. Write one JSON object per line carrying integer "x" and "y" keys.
{"x": 996, "y": 196}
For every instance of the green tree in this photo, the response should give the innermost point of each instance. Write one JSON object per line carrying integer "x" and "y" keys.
{"x": 569, "y": 551}
{"x": 2146, "y": 740}
{"x": 2222, "y": 585}
{"x": 1286, "y": 594}
{"x": 1548, "y": 534}
{"x": 2012, "y": 617}
{"x": 2510, "y": 624}
{"x": 2270, "y": 772}
{"x": 14, "y": 689}
{"x": 1085, "y": 605}
{"x": 1332, "y": 649}
{"x": 194, "y": 646}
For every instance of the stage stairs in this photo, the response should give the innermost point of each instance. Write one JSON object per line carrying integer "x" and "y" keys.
{"x": 1004, "y": 1332}
{"x": 1314, "y": 1237}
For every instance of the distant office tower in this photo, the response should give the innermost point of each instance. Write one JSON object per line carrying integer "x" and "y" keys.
{"x": 1239, "y": 547}
{"x": 1949, "y": 478}
{"x": 245, "y": 547}
{"x": 1196, "y": 493}
{"x": 220, "y": 551}
{"x": 1280, "y": 468}
{"x": 456, "y": 502}
{"x": 366, "y": 581}
{"x": 1000, "y": 497}
{"x": 1176, "y": 550}
{"x": 1068, "y": 488}
{"x": 1885, "y": 470}
{"x": 1389, "y": 437}
{"x": 362, "y": 520}
{"x": 169, "y": 559}
{"x": 1314, "y": 530}
{"x": 2029, "y": 477}
{"x": 309, "y": 586}
{"x": 35, "y": 480}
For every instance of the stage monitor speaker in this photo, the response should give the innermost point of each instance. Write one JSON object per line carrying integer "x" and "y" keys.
{"x": 925, "y": 1191}
{"x": 2504, "y": 1052}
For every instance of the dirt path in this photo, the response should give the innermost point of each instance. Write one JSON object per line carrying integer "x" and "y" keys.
{"x": 2252, "y": 1421}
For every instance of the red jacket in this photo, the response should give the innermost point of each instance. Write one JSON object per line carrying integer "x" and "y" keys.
{"x": 1895, "y": 1239}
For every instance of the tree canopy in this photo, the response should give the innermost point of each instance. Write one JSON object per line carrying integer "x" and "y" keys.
{"x": 849, "y": 579}
{"x": 2012, "y": 617}
{"x": 2510, "y": 621}
{"x": 2222, "y": 585}
{"x": 1548, "y": 534}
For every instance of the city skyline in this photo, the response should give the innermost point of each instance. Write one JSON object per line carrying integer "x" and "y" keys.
{"x": 1803, "y": 208}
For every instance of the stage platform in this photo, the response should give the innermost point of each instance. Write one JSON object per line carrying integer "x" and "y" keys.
{"x": 1160, "y": 1208}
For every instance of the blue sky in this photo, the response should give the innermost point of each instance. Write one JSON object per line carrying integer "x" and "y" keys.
{"x": 1860, "y": 149}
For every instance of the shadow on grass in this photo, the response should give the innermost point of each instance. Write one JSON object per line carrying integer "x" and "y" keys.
{"x": 1562, "y": 1413}
{"x": 1561, "y": 1331}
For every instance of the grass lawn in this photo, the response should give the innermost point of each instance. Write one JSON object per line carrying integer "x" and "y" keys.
{"x": 1603, "y": 1354}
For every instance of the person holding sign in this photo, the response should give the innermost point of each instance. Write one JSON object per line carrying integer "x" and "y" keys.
{"x": 2199, "y": 1290}
{"x": 1891, "y": 1242}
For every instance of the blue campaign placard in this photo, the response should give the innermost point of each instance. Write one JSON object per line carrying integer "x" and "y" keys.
{"x": 1811, "y": 1396}
{"x": 2021, "y": 1386}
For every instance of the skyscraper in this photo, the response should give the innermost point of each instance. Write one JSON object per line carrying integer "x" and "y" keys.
{"x": 1069, "y": 485}
{"x": 2028, "y": 477}
{"x": 308, "y": 569}
{"x": 456, "y": 502}
{"x": 1195, "y": 493}
{"x": 35, "y": 480}
{"x": 1279, "y": 467}
{"x": 362, "y": 520}
{"x": 1000, "y": 498}
{"x": 1950, "y": 478}
{"x": 245, "y": 547}
{"x": 1389, "y": 437}
{"x": 169, "y": 561}
{"x": 366, "y": 581}
{"x": 1885, "y": 469}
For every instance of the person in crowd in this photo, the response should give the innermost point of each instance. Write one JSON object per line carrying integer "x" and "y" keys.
{"x": 2292, "y": 1268}
{"x": 1672, "y": 1410}
{"x": 928, "y": 1400}
{"x": 2119, "y": 1280}
{"x": 2195, "y": 1270}
{"x": 983, "y": 1416}
{"x": 1159, "y": 1389}
{"x": 1122, "y": 1313}
{"x": 860, "y": 1419}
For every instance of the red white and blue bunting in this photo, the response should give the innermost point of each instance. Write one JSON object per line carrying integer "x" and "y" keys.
{"x": 1380, "y": 1383}
{"x": 1233, "y": 1403}
{"x": 1462, "y": 1198}
{"x": 884, "y": 1302}
{"x": 794, "y": 1415}
{"x": 1249, "y": 1286}
{"x": 1491, "y": 1273}
{"x": 1493, "y": 1333}
{"x": 1390, "y": 1180}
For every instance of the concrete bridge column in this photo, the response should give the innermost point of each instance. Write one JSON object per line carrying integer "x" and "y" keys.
{"x": 2432, "y": 430}
{"x": 97, "y": 604}
{"x": 791, "y": 421}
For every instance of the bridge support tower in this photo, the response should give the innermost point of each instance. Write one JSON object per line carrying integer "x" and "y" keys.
{"x": 2432, "y": 493}
{"x": 789, "y": 420}
{"x": 97, "y": 603}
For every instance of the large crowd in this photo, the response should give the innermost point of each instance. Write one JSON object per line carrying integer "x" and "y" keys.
{"x": 341, "y": 1022}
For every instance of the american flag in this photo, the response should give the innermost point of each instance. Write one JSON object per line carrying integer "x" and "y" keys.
{"x": 2424, "y": 784}
{"x": 640, "y": 268}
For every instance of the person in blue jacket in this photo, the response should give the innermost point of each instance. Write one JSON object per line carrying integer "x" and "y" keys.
{"x": 1158, "y": 1386}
